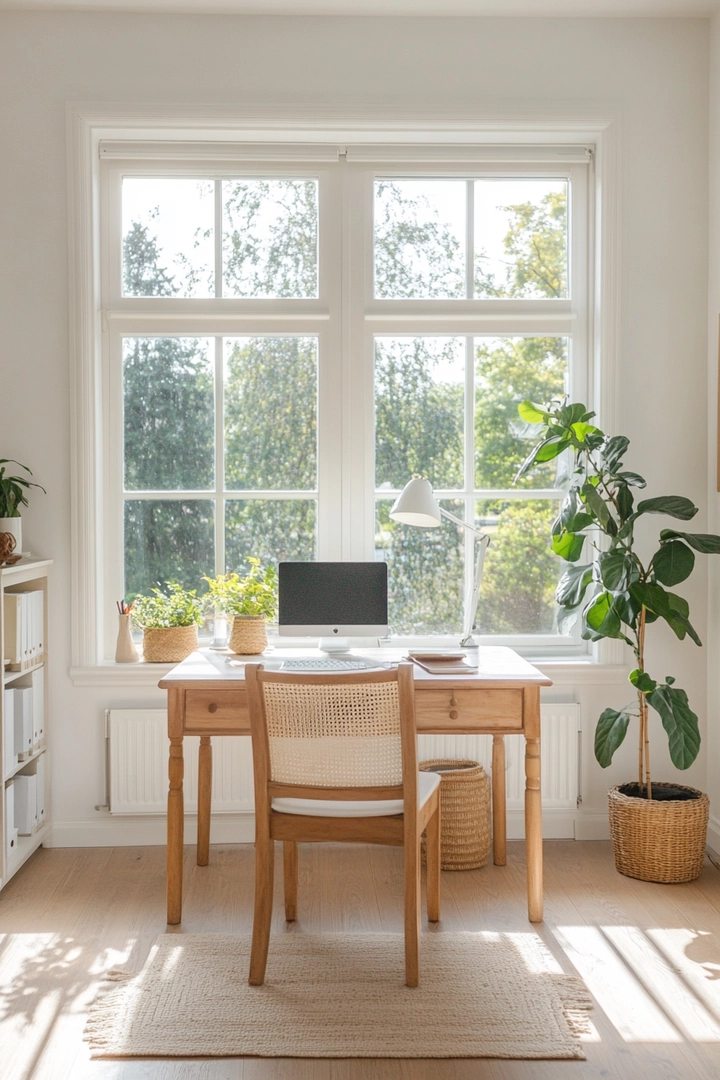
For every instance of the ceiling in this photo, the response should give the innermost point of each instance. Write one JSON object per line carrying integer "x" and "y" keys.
{"x": 575, "y": 8}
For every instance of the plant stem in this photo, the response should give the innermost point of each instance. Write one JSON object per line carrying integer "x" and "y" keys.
{"x": 599, "y": 472}
{"x": 642, "y": 702}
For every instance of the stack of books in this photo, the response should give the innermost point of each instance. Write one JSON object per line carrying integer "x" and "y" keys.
{"x": 441, "y": 663}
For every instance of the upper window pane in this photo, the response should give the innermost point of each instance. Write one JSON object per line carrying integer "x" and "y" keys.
{"x": 270, "y": 239}
{"x": 419, "y": 394}
{"x": 168, "y": 414}
{"x": 419, "y": 237}
{"x": 521, "y": 238}
{"x": 271, "y": 414}
{"x": 167, "y": 228}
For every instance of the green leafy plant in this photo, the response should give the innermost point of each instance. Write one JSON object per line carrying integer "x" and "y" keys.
{"x": 254, "y": 594}
{"x": 175, "y": 607}
{"x": 617, "y": 595}
{"x": 13, "y": 489}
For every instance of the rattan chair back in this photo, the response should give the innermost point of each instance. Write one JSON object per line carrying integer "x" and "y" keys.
{"x": 338, "y": 735}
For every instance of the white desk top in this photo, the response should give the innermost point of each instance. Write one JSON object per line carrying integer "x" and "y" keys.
{"x": 497, "y": 666}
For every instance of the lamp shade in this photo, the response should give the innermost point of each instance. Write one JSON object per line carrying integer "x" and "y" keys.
{"x": 416, "y": 505}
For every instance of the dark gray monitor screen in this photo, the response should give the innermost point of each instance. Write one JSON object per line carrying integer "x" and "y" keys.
{"x": 333, "y": 597}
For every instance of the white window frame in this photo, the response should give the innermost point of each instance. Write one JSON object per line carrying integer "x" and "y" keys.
{"x": 370, "y": 318}
{"x": 216, "y": 318}
{"x": 374, "y": 140}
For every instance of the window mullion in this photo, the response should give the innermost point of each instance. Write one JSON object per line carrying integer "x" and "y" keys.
{"x": 469, "y": 239}
{"x": 469, "y": 502}
{"x": 219, "y": 457}
{"x": 218, "y": 239}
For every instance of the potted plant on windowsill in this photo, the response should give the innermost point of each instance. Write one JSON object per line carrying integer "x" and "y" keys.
{"x": 169, "y": 621}
{"x": 658, "y": 829}
{"x": 249, "y": 601}
{"x": 13, "y": 495}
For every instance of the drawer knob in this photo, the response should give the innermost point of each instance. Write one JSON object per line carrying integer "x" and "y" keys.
{"x": 453, "y": 714}
{"x": 212, "y": 707}
{"x": 453, "y": 702}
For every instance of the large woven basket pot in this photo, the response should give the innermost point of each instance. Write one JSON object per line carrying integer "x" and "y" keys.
{"x": 169, "y": 644}
{"x": 657, "y": 840}
{"x": 465, "y": 836}
{"x": 248, "y": 636}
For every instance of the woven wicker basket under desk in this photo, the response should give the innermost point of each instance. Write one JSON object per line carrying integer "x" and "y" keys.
{"x": 465, "y": 834}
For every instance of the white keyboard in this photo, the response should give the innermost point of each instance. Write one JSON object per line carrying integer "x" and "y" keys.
{"x": 322, "y": 664}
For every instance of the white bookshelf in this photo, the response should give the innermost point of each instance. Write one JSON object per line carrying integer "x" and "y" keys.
{"x": 26, "y": 670}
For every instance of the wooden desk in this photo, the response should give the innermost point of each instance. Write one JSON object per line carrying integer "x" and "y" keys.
{"x": 206, "y": 697}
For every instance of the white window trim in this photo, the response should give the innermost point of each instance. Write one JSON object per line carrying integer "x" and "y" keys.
{"x": 88, "y": 126}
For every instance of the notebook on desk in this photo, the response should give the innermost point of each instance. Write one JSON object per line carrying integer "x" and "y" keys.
{"x": 442, "y": 663}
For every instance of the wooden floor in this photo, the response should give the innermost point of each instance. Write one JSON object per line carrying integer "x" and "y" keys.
{"x": 650, "y": 955}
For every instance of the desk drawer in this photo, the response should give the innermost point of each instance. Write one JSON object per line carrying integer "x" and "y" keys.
{"x": 216, "y": 712}
{"x": 469, "y": 710}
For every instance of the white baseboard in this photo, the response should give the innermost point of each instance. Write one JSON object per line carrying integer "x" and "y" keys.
{"x": 108, "y": 831}
{"x": 592, "y": 826}
{"x": 151, "y": 830}
{"x": 713, "y": 836}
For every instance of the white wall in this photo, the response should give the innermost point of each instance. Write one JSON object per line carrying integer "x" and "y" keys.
{"x": 652, "y": 74}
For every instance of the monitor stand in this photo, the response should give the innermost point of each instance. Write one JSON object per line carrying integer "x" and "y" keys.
{"x": 339, "y": 649}
{"x": 336, "y": 647}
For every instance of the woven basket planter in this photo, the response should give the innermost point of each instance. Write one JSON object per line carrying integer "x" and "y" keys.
{"x": 249, "y": 635}
{"x": 169, "y": 644}
{"x": 465, "y": 836}
{"x": 659, "y": 841}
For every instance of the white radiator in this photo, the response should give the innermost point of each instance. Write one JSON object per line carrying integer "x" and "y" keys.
{"x": 138, "y": 760}
{"x": 138, "y": 766}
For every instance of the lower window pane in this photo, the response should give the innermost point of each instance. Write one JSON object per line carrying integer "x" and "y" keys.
{"x": 168, "y": 541}
{"x": 271, "y": 530}
{"x": 521, "y": 572}
{"x": 425, "y": 573}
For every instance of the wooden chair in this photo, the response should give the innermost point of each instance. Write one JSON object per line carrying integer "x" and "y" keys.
{"x": 335, "y": 758}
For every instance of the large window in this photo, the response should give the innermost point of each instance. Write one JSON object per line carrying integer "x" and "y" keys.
{"x": 289, "y": 341}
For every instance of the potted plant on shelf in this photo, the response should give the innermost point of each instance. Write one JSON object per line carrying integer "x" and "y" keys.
{"x": 249, "y": 601}
{"x": 13, "y": 495}
{"x": 658, "y": 829}
{"x": 169, "y": 621}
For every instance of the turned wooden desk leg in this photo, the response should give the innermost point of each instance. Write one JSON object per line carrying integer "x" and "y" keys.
{"x": 176, "y": 809}
{"x": 533, "y": 805}
{"x": 204, "y": 800}
{"x": 499, "y": 823}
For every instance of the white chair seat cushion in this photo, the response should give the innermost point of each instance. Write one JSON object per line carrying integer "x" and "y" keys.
{"x": 427, "y": 783}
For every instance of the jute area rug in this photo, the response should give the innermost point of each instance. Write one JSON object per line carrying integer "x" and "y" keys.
{"x": 343, "y": 996}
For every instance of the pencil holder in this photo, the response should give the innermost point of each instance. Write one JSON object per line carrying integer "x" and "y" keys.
{"x": 125, "y": 651}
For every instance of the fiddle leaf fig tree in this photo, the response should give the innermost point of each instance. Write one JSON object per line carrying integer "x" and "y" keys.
{"x": 617, "y": 595}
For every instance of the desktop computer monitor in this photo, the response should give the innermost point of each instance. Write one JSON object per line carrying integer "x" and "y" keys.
{"x": 333, "y": 601}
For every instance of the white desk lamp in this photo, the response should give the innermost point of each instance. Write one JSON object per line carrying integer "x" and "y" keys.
{"x": 416, "y": 505}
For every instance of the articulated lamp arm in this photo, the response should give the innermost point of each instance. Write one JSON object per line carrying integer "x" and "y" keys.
{"x": 416, "y": 505}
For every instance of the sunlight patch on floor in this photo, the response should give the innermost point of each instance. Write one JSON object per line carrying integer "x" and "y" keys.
{"x": 47, "y": 983}
{"x": 695, "y": 954}
{"x": 615, "y": 985}
{"x": 668, "y": 988}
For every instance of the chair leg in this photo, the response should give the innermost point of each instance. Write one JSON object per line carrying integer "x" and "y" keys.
{"x": 432, "y": 850}
{"x": 262, "y": 915}
{"x": 412, "y": 910}
{"x": 290, "y": 878}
